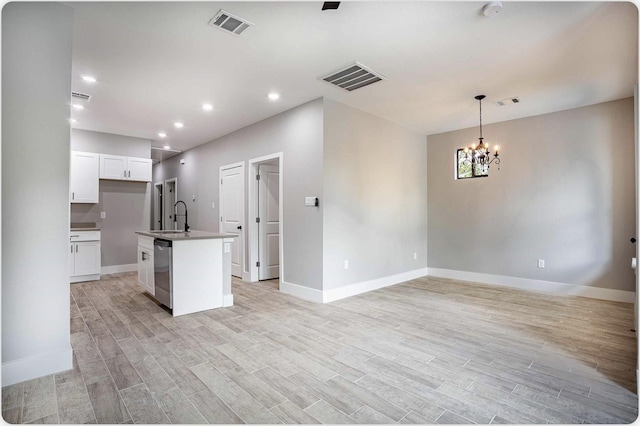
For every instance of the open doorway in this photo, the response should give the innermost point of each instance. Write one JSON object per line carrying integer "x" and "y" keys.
{"x": 265, "y": 205}
{"x": 158, "y": 216}
{"x": 170, "y": 197}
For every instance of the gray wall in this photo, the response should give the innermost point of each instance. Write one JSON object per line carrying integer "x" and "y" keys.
{"x": 127, "y": 204}
{"x": 375, "y": 204}
{"x": 36, "y": 82}
{"x": 108, "y": 143}
{"x": 298, "y": 134}
{"x": 564, "y": 193}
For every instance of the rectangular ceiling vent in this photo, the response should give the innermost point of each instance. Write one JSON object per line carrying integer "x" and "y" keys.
{"x": 508, "y": 101}
{"x": 80, "y": 96}
{"x": 229, "y": 22}
{"x": 353, "y": 77}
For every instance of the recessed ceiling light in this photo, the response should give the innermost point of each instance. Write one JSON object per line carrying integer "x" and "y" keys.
{"x": 273, "y": 96}
{"x": 178, "y": 125}
{"x": 89, "y": 79}
{"x": 207, "y": 107}
{"x": 77, "y": 106}
{"x": 167, "y": 147}
{"x": 162, "y": 134}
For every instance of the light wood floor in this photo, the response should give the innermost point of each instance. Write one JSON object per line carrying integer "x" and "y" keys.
{"x": 426, "y": 351}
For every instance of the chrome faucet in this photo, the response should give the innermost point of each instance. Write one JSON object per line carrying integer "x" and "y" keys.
{"x": 175, "y": 215}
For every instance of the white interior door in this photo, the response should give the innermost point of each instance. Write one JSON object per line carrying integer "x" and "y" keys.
{"x": 232, "y": 213}
{"x": 269, "y": 225}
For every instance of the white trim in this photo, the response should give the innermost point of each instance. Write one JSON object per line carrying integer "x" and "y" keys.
{"x": 227, "y": 300}
{"x": 252, "y": 170}
{"x": 536, "y": 285}
{"x": 241, "y": 239}
{"x": 301, "y": 292}
{"x": 164, "y": 200}
{"x": 116, "y": 269}
{"x": 156, "y": 204}
{"x": 365, "y": 286}
{"x": 82, "y": 278}
{"x": 36, "y": 366}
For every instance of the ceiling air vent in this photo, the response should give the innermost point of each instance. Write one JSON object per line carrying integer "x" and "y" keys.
{"x": 508, "y": 101}
{"x": 229, "y": 22}
{"x": 81, "y": 96}
{"x": 353, "y": 77}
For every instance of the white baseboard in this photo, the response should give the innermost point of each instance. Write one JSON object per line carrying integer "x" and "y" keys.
{"x": 332, "y": 295}
{"x": 365, "y": 286}
{"x": 83, "y": 278}
{"x": 537, "y": 285}
{"x": 116, "y": 269}
{"x": 227, "y": 300}
{"x": 301, "y": 292}
{"x": 36, "y": 366}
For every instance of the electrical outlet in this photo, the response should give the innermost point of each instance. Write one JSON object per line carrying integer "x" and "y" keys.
{"x": 346, "y": 264}
{"x": 541, "y": 263}
{"x": 103, "y": 215}
{"x": 415, "y": 256}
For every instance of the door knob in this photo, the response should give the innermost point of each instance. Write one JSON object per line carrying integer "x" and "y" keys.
{"x": 240, "y": 227}
{"x": 633, "y": 240}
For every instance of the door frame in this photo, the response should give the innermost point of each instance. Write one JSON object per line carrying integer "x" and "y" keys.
{"x": 157, "y": 205}
{"x": 164, "y": 195}
{"x": 252, "y": 171}
{"x": 243, "y": 265}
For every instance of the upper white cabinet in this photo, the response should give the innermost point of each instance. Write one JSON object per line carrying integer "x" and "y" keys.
{"x": 139, "y": 169}
{"x": 85, "y": 167}
{"x": 117, "y": 167}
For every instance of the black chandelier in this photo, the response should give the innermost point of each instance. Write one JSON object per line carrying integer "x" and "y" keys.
{"x": 479, "y": 156}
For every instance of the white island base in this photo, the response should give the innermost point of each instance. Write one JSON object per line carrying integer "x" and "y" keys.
{"x": 201, "y": 270}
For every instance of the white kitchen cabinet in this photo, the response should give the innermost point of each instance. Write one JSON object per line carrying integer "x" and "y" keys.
{"x": 145, "y": 264}
{"x": 84, "y": 256}
{"x": 117, "y": 167}
{"x": 139, "y": 169}
{"x": 85, "y": 168}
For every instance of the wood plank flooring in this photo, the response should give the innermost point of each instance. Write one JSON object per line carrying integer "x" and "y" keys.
{"x": 425, "y": 351}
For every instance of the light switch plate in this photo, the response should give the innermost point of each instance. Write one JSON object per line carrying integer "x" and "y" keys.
{"x": 103, "y": 215}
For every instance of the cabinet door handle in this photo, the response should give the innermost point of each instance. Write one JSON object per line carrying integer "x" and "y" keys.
{"x": 144, "y": 258}
{"x": 71, "y": 248}
{"x": 73, "y": 195}
{"x": 129, "y": 173}
{"x": 76, "y": 248}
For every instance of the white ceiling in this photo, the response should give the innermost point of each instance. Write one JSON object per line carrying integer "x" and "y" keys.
{"x": 157, "y": 62}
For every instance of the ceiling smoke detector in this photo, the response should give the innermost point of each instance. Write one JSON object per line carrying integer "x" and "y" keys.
{"x": 492, "y": 8}
{"x": 229, "y": 22}
{"x": 508, "y": 101}
{"x": 353, "y": 77}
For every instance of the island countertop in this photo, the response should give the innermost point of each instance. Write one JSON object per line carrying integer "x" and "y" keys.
{"x": 183, "y": 236}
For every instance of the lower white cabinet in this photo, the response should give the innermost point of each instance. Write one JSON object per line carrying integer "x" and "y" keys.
{"x": 84, "y": 256}
{"x": 145, "y": 264}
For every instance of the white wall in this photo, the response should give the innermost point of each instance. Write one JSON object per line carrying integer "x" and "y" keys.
{"x": 36, "y": 85}
{"x": 127, "y": 204}
{"x": 296, "y": 133}
{"x": 375, "y": 197}
{"x": 564, "y": 193}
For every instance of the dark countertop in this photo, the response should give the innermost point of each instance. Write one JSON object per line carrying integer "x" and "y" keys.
{"x": 181, "y": 236}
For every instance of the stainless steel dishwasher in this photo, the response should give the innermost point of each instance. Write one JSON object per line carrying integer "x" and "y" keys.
{"x": 163, "y": 271}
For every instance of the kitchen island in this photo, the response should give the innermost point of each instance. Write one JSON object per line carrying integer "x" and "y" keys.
{"x": 186, "y": 271}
